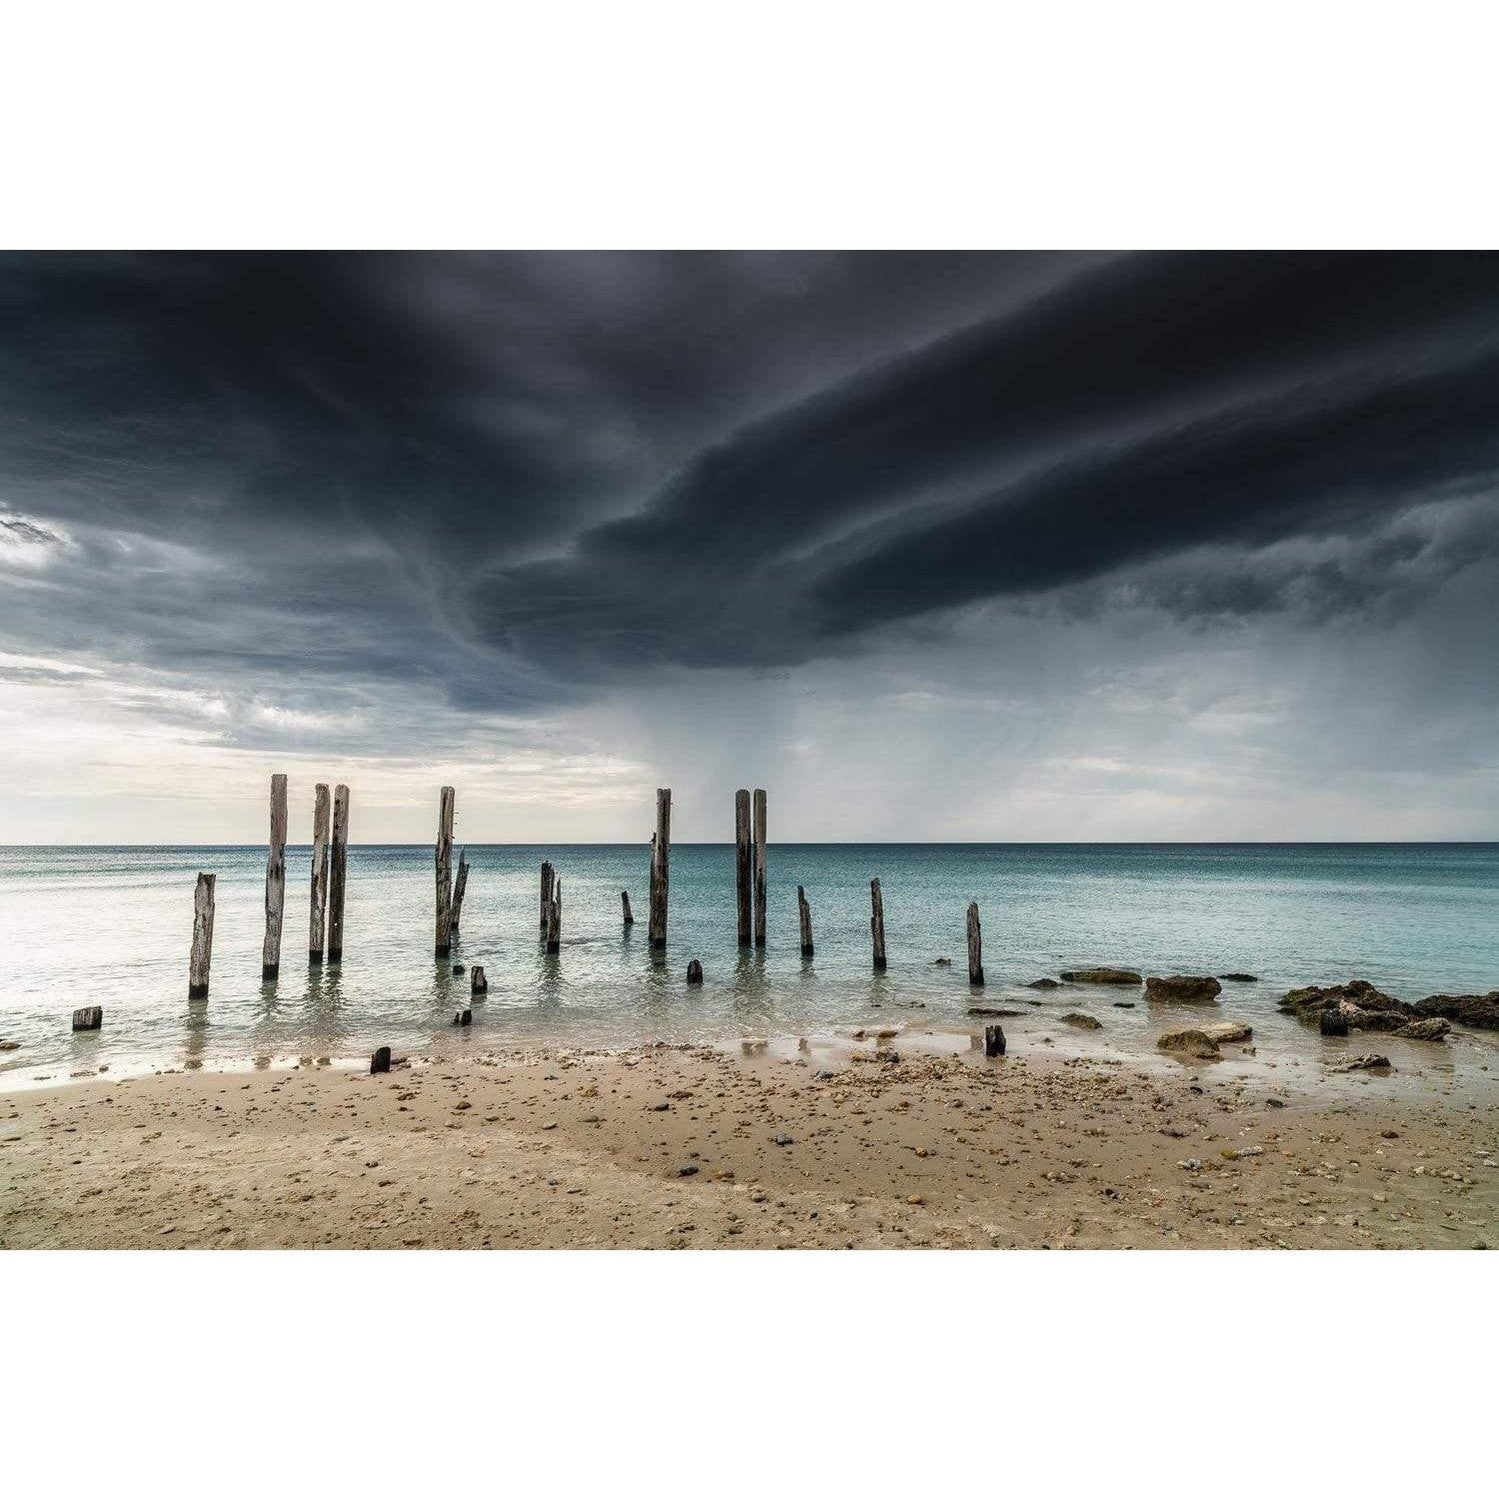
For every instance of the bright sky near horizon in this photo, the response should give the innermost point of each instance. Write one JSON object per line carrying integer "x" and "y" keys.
{"x": 932, "y": 546}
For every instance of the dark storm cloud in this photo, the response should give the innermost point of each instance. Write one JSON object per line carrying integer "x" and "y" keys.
{"x": 511, "y": 475}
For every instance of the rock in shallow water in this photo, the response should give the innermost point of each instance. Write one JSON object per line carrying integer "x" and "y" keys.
{"x": 1481, "y": 1011}
{"x": 1229, "y": 1030}
{"x": 1100, "y": 976}
{"x": 1082, "y": 1022}
{"x": 1194, "y": 1043}
{"x": 1432, "y": 1028}
{"x": 1183, "y": 989}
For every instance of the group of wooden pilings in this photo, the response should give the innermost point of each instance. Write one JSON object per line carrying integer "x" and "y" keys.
{"x": 329, "y": 879}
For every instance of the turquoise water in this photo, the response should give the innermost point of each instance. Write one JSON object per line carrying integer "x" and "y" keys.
{"x": 111, "y": 926}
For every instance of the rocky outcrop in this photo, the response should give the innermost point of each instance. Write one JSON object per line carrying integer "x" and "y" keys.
{"x": 1101, "y": 976}
{"x": 1184, "y": 990}
{"x": 1432, "y": 1028}
{"x": 1229, "y": 1030}
{"x": 1082, "y": 1022}
{"x": 1043, "y": 984}
{"x": 1193, "y": 1043}
{"x": 1358, "y": 1000}
{"x": 1481, "y": 1011}
{"x": 1368, "y": 1062}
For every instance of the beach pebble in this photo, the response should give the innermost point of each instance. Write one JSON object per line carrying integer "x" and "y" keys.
{"x": 784, "y": 1140}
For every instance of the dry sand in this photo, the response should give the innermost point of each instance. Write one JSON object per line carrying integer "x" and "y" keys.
{"x": 676, "y": 1147}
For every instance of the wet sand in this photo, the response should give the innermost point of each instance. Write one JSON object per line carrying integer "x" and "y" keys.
{"x": 824, "y": 1144}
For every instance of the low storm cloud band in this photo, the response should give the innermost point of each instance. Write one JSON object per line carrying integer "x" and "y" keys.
{"x": 947, "y": 545}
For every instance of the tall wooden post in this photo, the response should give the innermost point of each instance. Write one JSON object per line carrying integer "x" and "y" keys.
{"x": 660, "y": 866}
{"x": 317, "y": 930}
{"x": 275, "y": 881}
{"x": 548, "y": 874}
{"x": 338, "y": 874}
{"x": 743, "y": 863}
{"x": 443, "y": 943}
{"x": 460, "y": 885}
{"x": 624, "y": 897}
{"x": 877, "y": 924}
{"x": 759, "y": 817}
{"x": 554, "y": 920}
{"x": 804, "y": 911}
{"x": 202, "y": 954}
{"x": 975, "y": 945}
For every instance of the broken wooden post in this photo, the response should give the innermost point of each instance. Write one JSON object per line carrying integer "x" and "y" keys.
{"x": 548, "y": 874}
{"x": 317, "y": 931}
{"x": 660, "y": 866}
{"x": 443, "y": 943}
{"x": 338, "y": 874}
{"x": 694, "y": 972}
{"x": 994, "y": 1040}
{"x": 459, "y": 886}
{"x": 275, "y": 881}
{"x": 463, "y": 1017}
{"x": 805, "y": 912}
{"x": 744, "y": 862}
{"x": 877, "y": 924}
{"x": 554, "y": 918}
{"x": 477, "y": 983}
{"x": 89, "y": 1018}
{"x": 1333, "y": 1022}
{"x": 759, "y": 833}
{"x": 975, "y": 945}
{"x": 624, "y": 896}
{"x": 380, "y": 1062}
{"x": 202, "y": 955}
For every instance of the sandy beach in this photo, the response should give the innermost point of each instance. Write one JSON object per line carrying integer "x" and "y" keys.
{"x": 780, "y": 1144}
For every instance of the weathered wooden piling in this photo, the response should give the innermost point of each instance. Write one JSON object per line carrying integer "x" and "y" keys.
{"x": 460, "y": 886}
{"x": 380, "y": 1062}
{"x": 877, "y": 924}
{"x": 202, "y": 954}
{"x": 554, "y": 918}
{"x": 744, "y": 865}
{"x": 804, "y": 911}
{"x": 994, "y": 1040}
{"x": 660, "y": 866}
{"x": 317, "y": 930}
{"x": 975, "y": 945}
{"x": 548, "y": 874}
{"x": 89, "y": 1018}
{"x": 477, "y": 983}
{"x": 338, "y": 874}
{"x": 443, "y": 943}
{"x": 463, "y": 1017}
{"x": 275, "y": 881}
{"x": 624, "y": 896}
{"x": 694, "y": 972}
{"x": 759, "y": 833}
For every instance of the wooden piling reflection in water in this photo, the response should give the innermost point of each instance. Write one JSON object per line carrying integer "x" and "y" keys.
{"x": 743, "y": 865}
{"x": 877, "y": 923}
{"x": 317, "y": 929}
{"x": 804, "y": 912}
{"x": 975, "y": 945}
{"x": 202, "y": 953}
{"x": 660, "y": 866}
{"x": 338, "y": 874}
{"x": 759, "y": 832}
{"x": 460, "y": 887}
{"x": 275, "y": 881}
{"x": 443, "y": 941}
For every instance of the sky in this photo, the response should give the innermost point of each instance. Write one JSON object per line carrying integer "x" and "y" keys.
{"x": 951, "y": 546}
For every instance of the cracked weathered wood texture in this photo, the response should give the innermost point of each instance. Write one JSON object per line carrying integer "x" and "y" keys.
{"x": 660, "y": 866}
{"x": 744, "y": 864}
{"x": 759, "y": 821}
{"x": 275, "y": 881}
{"x": 338, "y": 874}
{"x": 554, "y": 918}
{"x": 994, "y": 1040}
{"x": 317, "y": 931}
{"x": 89, "y": 1018}
{"x": 975, "y": 945}
{"x": 548, "y": 874}
{"x": 460, "y": 888}
{"x": 477, "y": 983}
{"x": 202, "y": 954}
{"x": 624, "y": 896}
{"x": 877, "y": 923}
{"x": 804, "y": 911}
{"x": 443, "y": 941}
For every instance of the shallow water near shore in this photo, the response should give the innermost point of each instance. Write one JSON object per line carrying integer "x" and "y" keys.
{"x": 111, "y": 926}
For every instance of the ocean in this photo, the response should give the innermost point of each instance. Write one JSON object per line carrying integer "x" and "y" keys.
{"x": 111, "y": 927}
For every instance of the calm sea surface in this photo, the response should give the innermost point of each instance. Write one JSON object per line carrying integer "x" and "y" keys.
{"x": 111, "y": 926}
